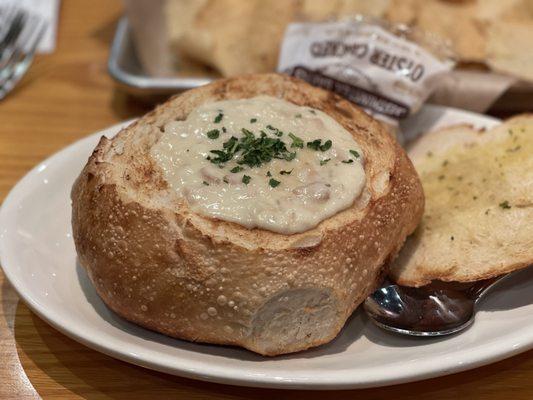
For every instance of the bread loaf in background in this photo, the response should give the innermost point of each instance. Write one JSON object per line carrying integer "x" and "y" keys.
{"x": 221, "y": 34}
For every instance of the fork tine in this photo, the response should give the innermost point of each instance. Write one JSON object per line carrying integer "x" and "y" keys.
{"x": 6, "y": 16}
{"x": 22, "y": 57}
{"x": 15, "y": 29}
{"x": 21, "y": 45}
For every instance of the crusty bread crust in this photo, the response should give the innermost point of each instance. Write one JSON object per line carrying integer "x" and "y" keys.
{"x": 483, "y": 246}
{"x": 191, "y": 277}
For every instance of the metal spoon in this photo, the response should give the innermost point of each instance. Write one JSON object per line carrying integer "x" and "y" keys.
{"x": 435, "y": 310}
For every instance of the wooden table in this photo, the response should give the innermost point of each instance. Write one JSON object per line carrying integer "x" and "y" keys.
{"x": 65, "y": 96}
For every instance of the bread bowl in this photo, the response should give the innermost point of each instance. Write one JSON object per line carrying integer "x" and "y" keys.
{"x": 159, "y": 262}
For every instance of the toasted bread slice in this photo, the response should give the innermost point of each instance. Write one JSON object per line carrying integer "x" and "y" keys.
{"x": 478, "y": 221}
{"x": 156, "y": 263}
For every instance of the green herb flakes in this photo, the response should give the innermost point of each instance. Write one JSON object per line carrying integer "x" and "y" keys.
{"x": 273, "y": 183}
{"x": 314, "y": 145}
{"x": 326, "y": 146}
{"x": 514, "y": 149}
{"x": 275, "y": 131}
{"x": 205, "y": 183}
{"x": 355, "y": 153}
{"x": 285, "y": 172}
{"x": 236, "y": 169}
{"x": 213, "y": 134}
{"x": 219, "y": 117}
{"x": 253, "y": 120}
{"x": 296, "y": 141}
{"x": 347, "y": 161}
{"x": 324, "y": 162}
{"x": 317, "y": 145}
{"x": 504, "y": 205}
{"x": 246, "y": 179}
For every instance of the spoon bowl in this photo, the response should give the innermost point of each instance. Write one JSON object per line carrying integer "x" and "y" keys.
{"x": 435, "y": 310}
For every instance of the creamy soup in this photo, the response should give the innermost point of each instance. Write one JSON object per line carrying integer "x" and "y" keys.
{"x": 261, "y": 163}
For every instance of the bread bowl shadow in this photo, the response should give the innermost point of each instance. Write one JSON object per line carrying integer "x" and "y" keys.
{"x": 352, "y": 331}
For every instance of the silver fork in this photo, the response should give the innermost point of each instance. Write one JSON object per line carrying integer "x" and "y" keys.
{"x": 20, "y": 33}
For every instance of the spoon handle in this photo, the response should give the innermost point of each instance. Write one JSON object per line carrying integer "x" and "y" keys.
{"x": 478, "y": 289}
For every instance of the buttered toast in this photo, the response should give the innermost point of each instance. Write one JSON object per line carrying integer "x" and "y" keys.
{"x": 478, "y": 221}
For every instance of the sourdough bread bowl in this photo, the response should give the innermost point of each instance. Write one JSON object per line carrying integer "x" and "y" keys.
{"x": 158, "y": 263}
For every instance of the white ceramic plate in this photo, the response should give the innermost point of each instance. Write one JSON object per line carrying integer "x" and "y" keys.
{"x": 38, "y": 258}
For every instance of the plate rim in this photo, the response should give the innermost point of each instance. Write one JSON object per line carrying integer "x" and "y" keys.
{"x": 496, "y": 351}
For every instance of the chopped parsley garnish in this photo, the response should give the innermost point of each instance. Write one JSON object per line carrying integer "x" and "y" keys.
{"x": 224, "y": 129}
{"x": 275, "y": 131}
{"x": 218, "y": 118}
{"x": 314, "y": 145}
{"x": 355, "y": 153}
{"x": 269, "y": 174}
{"x": 324, "y": 162}
{"x": 317, "y": 145}
{"x": 236, "y": 169}
{"x": 213, "y": 134}
{"x": 246, "y": 179}
{"x": 221, "y": 157}
{"x": 247, "y": 133}
{"x": 326, "y": 146}
{"x": 298, "y": 115}
{"x": 274, "y": 183}
{"x": 347, "y": 161}
{"x": 251, "y": 151}
{"x": 296, "y": 141}
{"x": 505, "y": 205}
{"x": 253, "y": 120}
{"x": 285, "y": 172}
{"x": 312, "y": 111}
{"x": 230, "y": 144}
{"x": 225, "y": 180}
{"x": 205, "y": 183}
